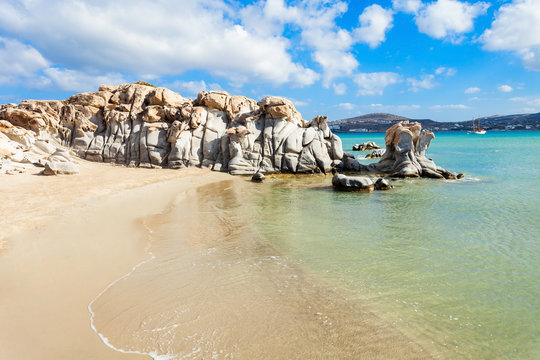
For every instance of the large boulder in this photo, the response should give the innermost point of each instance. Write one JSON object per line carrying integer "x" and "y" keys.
{"x": 352, "y": 183}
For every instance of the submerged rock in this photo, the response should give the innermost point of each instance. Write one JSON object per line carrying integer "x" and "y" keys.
{"x": 352, "y": 183}
{"x": 383, "y": 184}
{"x": 257, "y": 177}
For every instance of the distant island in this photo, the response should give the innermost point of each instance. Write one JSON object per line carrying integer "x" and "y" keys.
{"x": 379, "y": 122}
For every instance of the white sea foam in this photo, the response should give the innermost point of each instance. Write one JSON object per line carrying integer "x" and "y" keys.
{"x": 103, "y": 338}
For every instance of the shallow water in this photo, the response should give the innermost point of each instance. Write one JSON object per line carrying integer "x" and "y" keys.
{"x": 452, "y": 263}
{"x": 292, "y": 269}
{"x": 211, "y": 288}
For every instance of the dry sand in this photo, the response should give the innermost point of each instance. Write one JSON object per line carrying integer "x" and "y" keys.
{"x": 63, "y": 240}
{"x": 213, "y": 288}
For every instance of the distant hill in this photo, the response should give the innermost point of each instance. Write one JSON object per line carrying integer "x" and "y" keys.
{"x": 379, "y": 122}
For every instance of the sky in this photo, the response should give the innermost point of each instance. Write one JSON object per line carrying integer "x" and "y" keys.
{"x": 447, "y": 60}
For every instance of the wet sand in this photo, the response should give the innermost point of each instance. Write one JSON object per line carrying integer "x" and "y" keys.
{"x": 64, "y": 240}
{"x": 205, "y": 285}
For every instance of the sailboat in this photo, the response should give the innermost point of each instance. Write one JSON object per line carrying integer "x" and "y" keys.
{"x": 478, "y": 130}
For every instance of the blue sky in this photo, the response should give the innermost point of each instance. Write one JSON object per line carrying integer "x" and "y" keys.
{"x": 447, "y": 60}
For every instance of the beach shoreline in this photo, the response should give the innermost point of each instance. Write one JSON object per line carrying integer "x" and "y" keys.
{"x": 64, "y": 271}
{"x": 65, "y": 239}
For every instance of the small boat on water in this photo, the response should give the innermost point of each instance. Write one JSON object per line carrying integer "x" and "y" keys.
{"x": 477, "y": 130}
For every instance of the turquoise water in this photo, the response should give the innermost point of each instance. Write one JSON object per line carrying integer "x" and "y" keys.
{"x": 454, "y": 264}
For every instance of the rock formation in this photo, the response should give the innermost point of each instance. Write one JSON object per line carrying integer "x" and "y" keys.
{"x": 375, "y": 154}
{"x": 366, "y": 146}
{"x": 140, "y": 125}
{"x": 144, "y": 126}
{"x": 404, "y": 156}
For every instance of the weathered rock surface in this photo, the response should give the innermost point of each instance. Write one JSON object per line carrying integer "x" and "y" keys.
{"x": 59, "y": 163}
{"x": 143, "y": 126}
{"x": 352, "y": 183}
{"x": 257, "y": 177}
{"x": 366, "y": 146}
{"x": 375, "y": 154}
{"x": 383, "y": 184}
{"x": 139, "y": 125}
{"x": 404, "y": 156}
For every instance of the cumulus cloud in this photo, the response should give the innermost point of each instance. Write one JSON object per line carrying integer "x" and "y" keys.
{"x": 450, "y": 106}
{"x": 192, "y": 88}
{"x": 18, "y": 60}
{"x": 347, "y": 106}
{"x": 381, "y": 107}
{"x": 445, "y": 71}
{"x": 375, "y": 22}
{"x": 340, "y": 88}
{"x": 505, "y": 88}
{"x": 154, "y": 39}
{"x": 375, "y": 83}
{"x": 531, "y": 103}
{"x": 329, "y": 44}
{"x": 425, "y": 82}
{"x": 449, "y": 19}
{"x": 472, "y": 90}
{"x": 517, "y": 28}
{"x": 73, "y": 80}
{"x": 407, "y": 6}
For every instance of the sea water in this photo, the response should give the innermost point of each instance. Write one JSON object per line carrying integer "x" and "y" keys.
{"x": 452, "y": 263}
{"x": 291, "y": 269}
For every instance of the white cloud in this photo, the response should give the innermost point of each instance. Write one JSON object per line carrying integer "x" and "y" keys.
{"x": 472, "y": 90}
{"x": 375, "y": 22}
{"x": 449, "y": 19}
{"x": 188, "y": 87}
{"x": 340, "y": 88}
{"x": 446, "y": 71}
{"x": 517, "y": 28}
{"x": 381, "y": 107}
{"x": 450, "y": 106}
{"x": 505, "y": 88}
{"x": 375, "y": 83}
{"x": 73, "y": 80}
{"x": 145, "y": 38}
{"x": 329, "y": 44}
{"x": 424, "y": 82}
{"x": 532, "y": 103}
{"x": 18, "y": 60}
{"x": 347, "y": 106}
{"x": 407, "y": 6}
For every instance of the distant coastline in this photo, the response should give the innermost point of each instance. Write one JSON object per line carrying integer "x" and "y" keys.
{"x": 379, "y": 122}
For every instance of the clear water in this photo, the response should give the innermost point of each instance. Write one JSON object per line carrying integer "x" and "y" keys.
{"x": 455, "y": 264}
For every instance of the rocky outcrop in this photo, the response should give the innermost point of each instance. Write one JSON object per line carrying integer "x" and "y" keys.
{"x": 352, "y": 183}
{"x": 404, "y": 156}
{"x": 60, "y": 163}
{"x": 143, "y": 126}
{"x": 366, "y": 146}
{"x": 375, "y": 154}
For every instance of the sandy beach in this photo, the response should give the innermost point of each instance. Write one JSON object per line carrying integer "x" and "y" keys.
{"x": 64, "y": 239}
{"x": 76, "y": 263}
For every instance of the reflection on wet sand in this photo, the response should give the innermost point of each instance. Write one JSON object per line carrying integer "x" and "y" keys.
{"x": 214, "y": 289}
